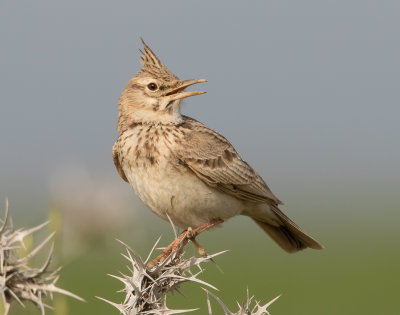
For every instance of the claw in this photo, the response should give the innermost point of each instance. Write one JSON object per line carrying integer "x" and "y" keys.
{"x": 200, "y": 249}
{"x": 189, "y": 233}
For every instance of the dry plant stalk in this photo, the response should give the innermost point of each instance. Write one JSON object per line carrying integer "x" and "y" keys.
{"x": 248, "y": 308}
{"x": 18, "y": 281}
{"x": 146, "y": 288}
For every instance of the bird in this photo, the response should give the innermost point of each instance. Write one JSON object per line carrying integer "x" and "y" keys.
{"x": 183, "y": 170}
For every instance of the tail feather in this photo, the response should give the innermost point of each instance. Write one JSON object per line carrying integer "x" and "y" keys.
{"x": 289, "y": 236}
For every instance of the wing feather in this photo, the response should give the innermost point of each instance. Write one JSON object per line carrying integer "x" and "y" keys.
{"x": 214, "y": 160}
{"x": 116, "y": 162}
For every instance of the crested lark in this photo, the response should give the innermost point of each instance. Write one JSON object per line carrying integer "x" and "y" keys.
{"x": 184, "y": 170}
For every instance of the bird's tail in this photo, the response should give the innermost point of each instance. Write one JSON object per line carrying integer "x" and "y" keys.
{"x": 288, "y": 235}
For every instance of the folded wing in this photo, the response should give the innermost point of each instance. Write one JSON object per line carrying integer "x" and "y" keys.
{"x": 214, "y": 160}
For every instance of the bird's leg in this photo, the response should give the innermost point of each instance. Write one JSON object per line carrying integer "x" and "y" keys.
{"x": 191, "y": 236}
{"x": 200, "y": 249}
{"x": 207, "y": 226}
{"x": 179, "y": 243}
{"x": 202, "y": 228}
{"x": 189, "y": 232}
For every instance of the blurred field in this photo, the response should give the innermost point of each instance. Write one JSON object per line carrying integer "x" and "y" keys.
{"x": 357, "y": 273}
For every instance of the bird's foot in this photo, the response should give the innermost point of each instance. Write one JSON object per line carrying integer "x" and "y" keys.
{"x": 191, "y": 234}
{"x": 200, "y": 249}
{"x": 179, "y": 243}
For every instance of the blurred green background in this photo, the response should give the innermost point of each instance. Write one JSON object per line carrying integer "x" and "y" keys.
{"x": 316, "y": 83}
{"x": 357, "y": 272}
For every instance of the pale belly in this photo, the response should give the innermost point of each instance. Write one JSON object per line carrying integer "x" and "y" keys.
{"x": 185, "y": 198}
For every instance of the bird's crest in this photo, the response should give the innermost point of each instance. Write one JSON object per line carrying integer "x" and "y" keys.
{"x": 153, "y": 66}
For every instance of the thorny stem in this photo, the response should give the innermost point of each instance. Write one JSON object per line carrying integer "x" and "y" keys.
{"x": 18, "y": 281}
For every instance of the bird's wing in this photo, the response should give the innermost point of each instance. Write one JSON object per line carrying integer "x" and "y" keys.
{"x": 116, "y": 162}
{"x": 214, "y": 160}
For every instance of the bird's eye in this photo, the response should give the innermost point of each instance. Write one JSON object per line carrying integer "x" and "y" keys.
{"x": 152, "y": 86}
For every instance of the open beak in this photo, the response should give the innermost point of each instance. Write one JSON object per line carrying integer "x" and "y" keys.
{"x": 177, "y": 94}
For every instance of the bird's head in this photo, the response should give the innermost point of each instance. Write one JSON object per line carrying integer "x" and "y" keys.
{"x": 154, "y": 94}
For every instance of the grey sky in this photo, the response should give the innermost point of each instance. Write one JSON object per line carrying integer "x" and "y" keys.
{"x": 315, "y": 82}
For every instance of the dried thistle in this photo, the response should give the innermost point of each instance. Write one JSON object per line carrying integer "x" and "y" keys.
{"x": 146, "y": 288}
{"x": 248, "y": 308}
{"x": 19, "y": 281}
